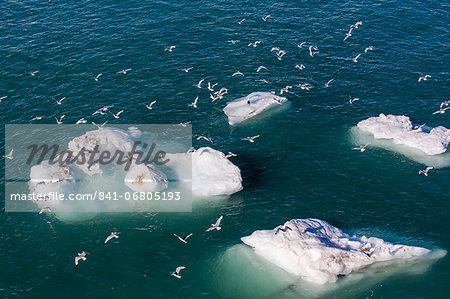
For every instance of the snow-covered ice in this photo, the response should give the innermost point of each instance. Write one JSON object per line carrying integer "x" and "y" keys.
{"x": 251, "y": 105}
{"x": 212, "y": 172}
{"x": 320, "y": 252}
{"x": 401, "y": 130}
{"x": 145, "y": 178}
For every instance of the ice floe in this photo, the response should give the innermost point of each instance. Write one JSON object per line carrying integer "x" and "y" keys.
{"x": 251, "y": 105}
{"x": 145, "y": 178}
{"x": 401, "y": 130}
{"x": 320, "y": 252}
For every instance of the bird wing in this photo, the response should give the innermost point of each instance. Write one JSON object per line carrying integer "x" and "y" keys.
{"x": 178, "y": 269}
{"x": 210, "y": 228}
{"x": 186, "y": 237}
{"x": 218, "y": 221}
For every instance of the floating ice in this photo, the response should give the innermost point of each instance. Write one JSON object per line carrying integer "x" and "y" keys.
{"x": 212, "y": 172}
{"x": 145, "y": 178}
{"x": 251, "y": 105}
{"x": 400, "y": 129}
{"x": 320, "y": 252}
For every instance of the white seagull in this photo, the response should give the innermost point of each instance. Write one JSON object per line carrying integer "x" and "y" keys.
{"x": 10, "y": 155}
{"x": 233, "y": 41}
{"x": 81, "y": 256}
{"x": 369, "y": 48}
{"x": 425, "y": 171}
{"x": 441, "y": 111}
{"x": 59, "y": 121}
{"x": 199, "y": 84}
{"x": 211, "y": 87}
{"x": 98, "y": 76}
{"x": 184, "y": 238}
{"x": 425, "y": 78}
{"x": 300, "y": 45}
{"x": 215, "y": 225}
{"x": 328, "y": 83}
{"x": 176, "y": 273}
{"x": 170, "y": 49}
{"x": 261, "y": 67}
{"x": 445, "y": 103}
{"x": 149, "y": 106}
{"x": 237, "y": 73}
{"x": 111, "y": 236}
{"x": 36, "y": 118}
{"x": 241, "y": 21}
{"x": 99, "y": 126}
{"x": 194, "y": 103}
{"x": 361, "y": 148}
{"x": 34, "y": 73}
{"x": 116, "y": 116}
{"x": 355, "y": 59}
{"x": 351, "y": 101}
{"x": 280, "y": 54}
{"x": 311, "y": 53}
{"x": 265, "y": 18}
{"x": 60, "y": 101}
{"x": 300, "y": 66}
{"x": 45, "y": 209}
{"x": 230, "y": 154}
{"x": 81, "y": 121}
{"x": 203, "y": 137}
{"x": 123, "y": 71}
{"x": 186, "y": 70}
{"x": 255, "y": 44}
{"x": 2, "y": 98}
{"x": 250, "y": 139}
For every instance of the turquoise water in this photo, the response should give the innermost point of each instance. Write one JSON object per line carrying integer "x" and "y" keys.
{"x": 301, "y": 166}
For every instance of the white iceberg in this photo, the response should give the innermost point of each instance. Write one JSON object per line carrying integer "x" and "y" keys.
{"x": 320, "y": 252}
{"x": 145, "y": 178}
{"x": 249, "y": 106}
{"x": 212, "y": 172}
{"x": 401, "y": 130}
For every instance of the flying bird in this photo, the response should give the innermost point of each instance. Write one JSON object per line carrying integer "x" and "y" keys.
{"x": 98, "y": 76}
{"x": 361, "y": 148}
{"x": 211, "y": 87}
{"x": 45, "y": 209}
{"x": 203, "y": 137}
{"x": 369, "y": 48}
{"x": 170, "y": 49}
{"x": 300, "y": 66}
{"x": 283, "y": 229}
{"x": 36, "y": 118}
{"x": 81, "y": 121}
{"x": 186, "y": 70}
{"x": 81, "y": 256}
{"x": 425, "y": 171}
{"x": 123, "y": 71}
{"x": 215, "y": 225}
{"x": 34, "y": 73}
{"x": 150, "y": 106}
{"x": 265, "y": 18}
{"x": 351, "y": 101}
{"x": 237, "y": 73}
{"x": 116, "y": 116}
{"x": 328, "y": 83}
{"x": 311, "y": 53}
{"x": 99, "y": 126}
{"x": 199, "y": 84}
{"x": 355, "y": 59}
{"x": 233, "y": 41}
{"x": 261, "y": 67}
{"x": 241, "y": 21}
{"x": 300, "y": 45}
{"x": 60, "y": 101}
{"x": 441, "y": 111}
{"x": 10, "y": 155}
{"x": 183, "y": 239}
{"x": 250, "y": 139}
{"x": 59, "y": 121}
{"x": 111, "y": 236}
{"x": 230, "y": 154}
{"x": 194, "y": 103}
{"x": 176, "y": 273}
{"x": 425, "y": 78}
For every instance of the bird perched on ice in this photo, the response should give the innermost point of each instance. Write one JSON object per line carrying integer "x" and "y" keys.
{"x": 283, "y": 229}
{"x": 10, "y": 155}
{"x": 250, "y": 139}
{"x": 111, "y": 236}
{"x": 183, "y": 239}
{"x": 176, "y": 273}
{"x": 361, "y": 148}
{"x": 81, "y": 256}
{"x": 215, "y": 225}
{"x": 425, "y": 78}
{"x": 425, "y": 171}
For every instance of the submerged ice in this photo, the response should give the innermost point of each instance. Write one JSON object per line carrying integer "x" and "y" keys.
{"x": 251, "y": 105}
{"x": 401, "y": 130}
{"x": 320, "y": 252}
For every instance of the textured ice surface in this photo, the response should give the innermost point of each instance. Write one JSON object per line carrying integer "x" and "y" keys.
{"x": 319, "y": 252}
{"x": 401, "y": 130}
{"x": 247, "y": 107}
{"x": 145, "y": 178}
{"x": 212, "y": 172}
